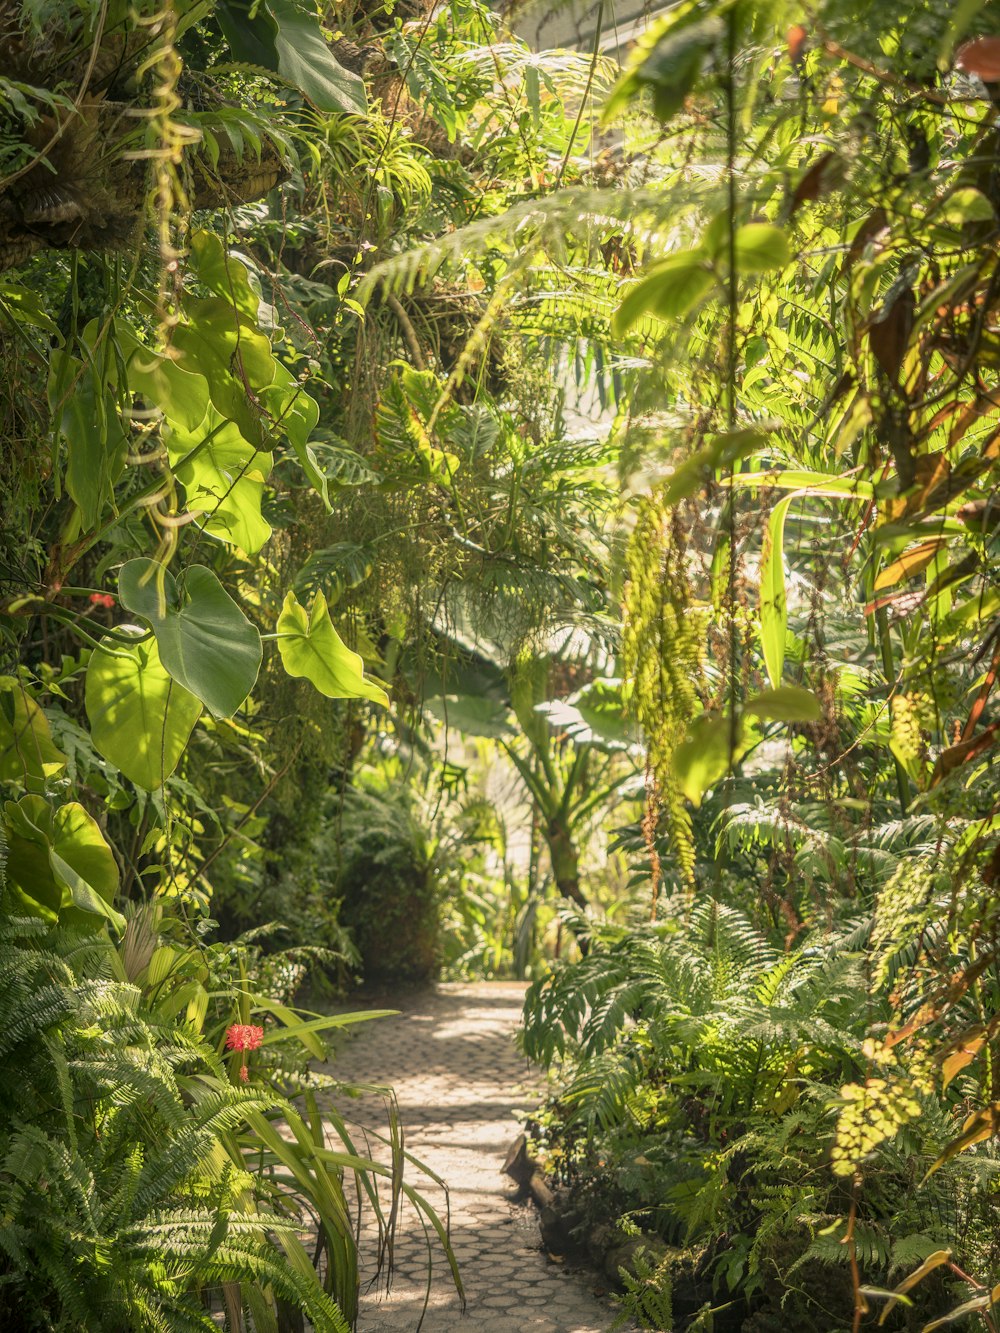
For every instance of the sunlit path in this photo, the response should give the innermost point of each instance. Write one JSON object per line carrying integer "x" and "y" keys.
{"x": 451, "y": 1058}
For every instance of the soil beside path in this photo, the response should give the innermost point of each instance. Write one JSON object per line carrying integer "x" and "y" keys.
{"x": 451, "y": 1058}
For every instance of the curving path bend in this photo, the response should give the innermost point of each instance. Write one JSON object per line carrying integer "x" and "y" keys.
{"x": 451, "y": 1058}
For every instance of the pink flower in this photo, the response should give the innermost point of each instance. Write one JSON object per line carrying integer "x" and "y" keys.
{"x": 244, "y": 1073}
{"x": 101, "y": 599}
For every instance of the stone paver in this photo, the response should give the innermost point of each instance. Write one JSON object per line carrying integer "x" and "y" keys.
{"x": 451, "y": 1058}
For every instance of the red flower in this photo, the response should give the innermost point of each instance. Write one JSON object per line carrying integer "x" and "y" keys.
{"x": 244, "y": 1037}
{"x": 101, "y": 599}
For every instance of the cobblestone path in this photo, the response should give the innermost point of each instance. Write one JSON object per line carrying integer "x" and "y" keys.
{"x": 451, "y": 1059}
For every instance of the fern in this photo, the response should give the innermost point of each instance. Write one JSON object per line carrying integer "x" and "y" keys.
{"x": 647, "y": 1294}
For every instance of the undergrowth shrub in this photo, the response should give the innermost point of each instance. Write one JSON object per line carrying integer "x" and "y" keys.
{"x": 699, "y": 1092}
{"x": 386, "y": 877}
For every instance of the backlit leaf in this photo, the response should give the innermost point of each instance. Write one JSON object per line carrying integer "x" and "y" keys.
{"x": 204, "y": 639}
{"x": 311, "y": 647}
{"x": 140, "y": 718}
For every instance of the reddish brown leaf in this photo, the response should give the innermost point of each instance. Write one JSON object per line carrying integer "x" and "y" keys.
{"x": 875, "y": 223}
{"x": 980, "y": 56}
{"x": 825, "y": 175}
{"x": 964, "y": 752}
{"x": 889, "y": 333}
{"x": 796, "y": 42}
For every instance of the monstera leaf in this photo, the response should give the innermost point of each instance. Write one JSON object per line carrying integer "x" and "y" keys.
{"x": 140, "y": 718}
{"x": 311, "y": 647}
{"x": 60, "y": 863}
{"x": 205, "y": 641}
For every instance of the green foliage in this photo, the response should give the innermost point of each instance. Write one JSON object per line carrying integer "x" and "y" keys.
{"x": 386, "y": 879}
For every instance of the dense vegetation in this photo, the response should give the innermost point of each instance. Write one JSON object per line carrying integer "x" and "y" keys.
{"x": 481, "y": 510}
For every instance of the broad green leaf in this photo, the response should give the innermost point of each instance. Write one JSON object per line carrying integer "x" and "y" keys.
{"x": 223, "y": 274}
{"x": 283, "y": 37}
{"x": 594, "y": 715}
{"x": 250, "y": 30}
{"x": 311, "y": 647}
{"x": 706, "y": 756}
{"x": 773, "y": 600}
{"x": 205, "y": 641}
{"x": 163, "y": 384}
{"x": 140, "y": 718}
{"x": 960, "y": 209}
{"x": 785, "y": 703}
{"x": 669, "y": 290}
{"x": 96, "y": 444}
{"x": 668, "y": 61}
{"x": 58, "y": 859}
{"x": 223, "y": 478}
{"x": 306, "y": 60}
{"x": 471, "y": 715}
{"x": 760, "y": 247}
{"x": 296, "y": 414}
{"x": 28, "y": 754}
{"x": 757, "y": 245}
{"x": 216, "y": 341}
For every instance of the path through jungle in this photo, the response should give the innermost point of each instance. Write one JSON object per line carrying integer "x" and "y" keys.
{"x": 451, "y": 1059}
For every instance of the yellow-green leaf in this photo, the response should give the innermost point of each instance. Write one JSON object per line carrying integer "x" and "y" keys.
{"x": 311, "y": 647}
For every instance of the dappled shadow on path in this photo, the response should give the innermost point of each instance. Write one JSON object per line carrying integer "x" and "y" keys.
{"x": 458, "y": 1077}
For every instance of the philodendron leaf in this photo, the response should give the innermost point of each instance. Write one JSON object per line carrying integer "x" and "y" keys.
{"x": 140, "y": 718}
{"x": 28, "y": 754}
{"x": 668, "y": 290}
{"x": 712, "y": 747}
{"x": 785, "y": 703}
{"x": 59, "y": 861}
{"x": 206, "y": 642}
{"x": 311, "y": 647}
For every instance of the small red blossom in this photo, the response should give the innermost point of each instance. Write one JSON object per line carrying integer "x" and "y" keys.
{"x": 244, "y": 1037}
{"x": 101, "y": 599}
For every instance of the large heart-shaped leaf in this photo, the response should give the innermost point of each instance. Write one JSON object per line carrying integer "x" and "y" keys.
{"x": 140, "y": 718}
{"x": 205, "y": 641}
{"x": 311, "y": 647}
{"x": 28, "y": 754}
{"x": 60, "y": 862}
{"x": 223, "y": 478}
{"x": 217, "y": 341}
